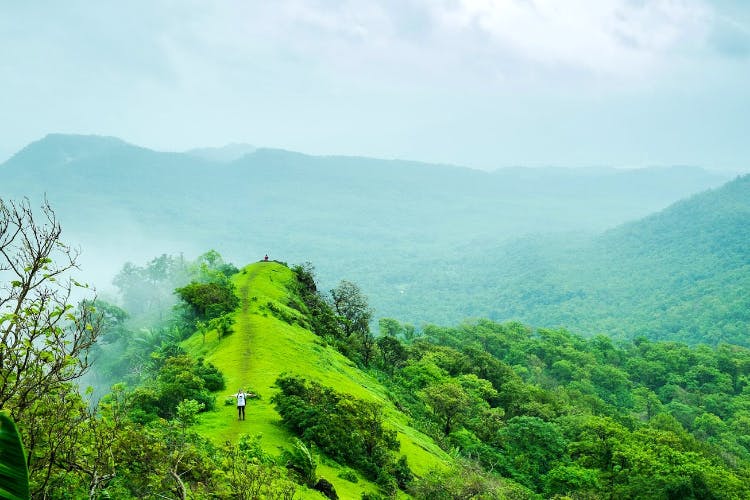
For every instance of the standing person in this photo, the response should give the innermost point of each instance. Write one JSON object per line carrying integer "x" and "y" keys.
{"x": 241, "y": 397}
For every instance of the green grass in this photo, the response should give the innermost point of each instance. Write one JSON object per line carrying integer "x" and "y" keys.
{"x": 263, "y": 347}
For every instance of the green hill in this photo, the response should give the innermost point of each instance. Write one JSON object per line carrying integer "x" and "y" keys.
{"x": 680, "y": 274}
{"x": 263, "y": 347}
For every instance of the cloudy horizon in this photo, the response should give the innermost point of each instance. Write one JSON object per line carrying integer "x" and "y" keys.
{"x": 479, "y": 83}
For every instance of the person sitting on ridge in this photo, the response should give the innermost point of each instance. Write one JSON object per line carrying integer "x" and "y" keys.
{"x": 265, "y": 259}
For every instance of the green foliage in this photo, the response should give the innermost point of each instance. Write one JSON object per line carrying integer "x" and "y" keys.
{"x": 211, "y": 376}
{"x": 349, "y": 475}
{"x": 449, "y": 402}
{"x": 208, "y": 300}
{"x": 321, "y": 316}
{"x": 563, "y": 415}
{"x": 679, "y": 274}
{"x": 532, "y": 447}
{"x": 301, "y": 460}
{"x": 467, "y": 480}
{"x": 402, "y": 473}
{"x": 349, "y": 430}
{"x": 392, "y": 352}
{"x": 148, "y": 321}
{"x": 180, "y": 378}
{"x": 148, "y": 291}
{"x": 344, "y": 319}
{"x": 187, "y": 412}
{"x": 390, "y": 327}
{"x": 352, "y": 309}
{"x": 14, "y": 475}
{"x": 551, "y": 413}
{"x": 572, "y": 479}
{"x": 222, "y": 324}
{"x": 44, "y": 339}
{"x": 250, "y": 478}
{"x": 353, "y": 315}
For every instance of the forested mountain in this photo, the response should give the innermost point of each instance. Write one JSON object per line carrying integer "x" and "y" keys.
{"x": 680, "y": 274}
{"x": 399, "y": 201}
{"x": 429, "y": 243}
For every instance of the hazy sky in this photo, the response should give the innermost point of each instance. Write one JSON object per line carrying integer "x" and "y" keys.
{"x": 482, "y": 83}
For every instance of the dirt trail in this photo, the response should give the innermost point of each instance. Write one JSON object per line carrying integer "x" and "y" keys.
{"x": 243, "y": 325}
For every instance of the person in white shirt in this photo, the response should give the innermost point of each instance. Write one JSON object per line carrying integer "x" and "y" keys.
{"x": 241, "y": 397}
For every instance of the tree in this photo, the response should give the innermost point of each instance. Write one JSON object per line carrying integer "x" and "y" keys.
{"x": 222, "y": 325}
{"x": 393, "y": 353}
{"x": 322, "y": 317}
{"x": 354, "y": 315}
{"x": 351, "y": 306}
{"x": 389, "y": 327}
{"x": 147, "y": 291}
{"x": 208, "y": 300}
{"x": 302, "y": 461}
{"x": 449, "y": 401}
{"x": 44, "y": 339}
{"x": 532, "y": 447}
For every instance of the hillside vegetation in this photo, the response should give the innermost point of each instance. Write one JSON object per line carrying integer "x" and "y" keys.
{"x": 681, "y": 274}
{"x": 268, "y": 341}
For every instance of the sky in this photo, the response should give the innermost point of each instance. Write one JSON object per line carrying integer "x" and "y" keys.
{"x": 479, "y": 83}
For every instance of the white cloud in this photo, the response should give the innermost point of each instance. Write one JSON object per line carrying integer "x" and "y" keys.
{"x": 606, "y": 37}
{"x": 376, "y": 77}
{"x": 417, "y": 40}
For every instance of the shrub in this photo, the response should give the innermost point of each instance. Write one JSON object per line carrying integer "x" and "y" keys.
{"x": 349, "y": 475}
{"x": 209, "y": 300}
{"x": 347, "y": 429}
{"x": 326, "y": 488}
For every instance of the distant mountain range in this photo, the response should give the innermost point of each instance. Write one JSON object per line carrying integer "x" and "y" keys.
{"x": 225, "y": 154}
{"x": 426, "y": 242}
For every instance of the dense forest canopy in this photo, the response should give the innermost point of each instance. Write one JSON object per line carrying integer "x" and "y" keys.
{"x": 680, "y": 274}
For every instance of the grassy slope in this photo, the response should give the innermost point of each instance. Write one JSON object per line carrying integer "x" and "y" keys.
{"x": 261, "y": 348}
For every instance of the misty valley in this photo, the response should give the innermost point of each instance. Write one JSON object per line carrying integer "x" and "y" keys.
{"x": 260, "y": 323}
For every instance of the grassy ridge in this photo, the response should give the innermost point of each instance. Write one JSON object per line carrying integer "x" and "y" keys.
{"x": 262, "y": 347}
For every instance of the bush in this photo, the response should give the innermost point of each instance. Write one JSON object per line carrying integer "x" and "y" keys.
{"x": 403, "y": 474}
{"x": 212, "y": 377}
{"x": 222, "y": 325}
{"x": 347, "y": 429}
{"x": 349, "y": 475}
{"x": 326, "y": 488}
{"x": 209, "y": 300}
{"x": 179, "y": 378}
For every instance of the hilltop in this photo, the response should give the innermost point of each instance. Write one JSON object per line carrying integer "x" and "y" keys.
{"x": 263, "y": 347}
